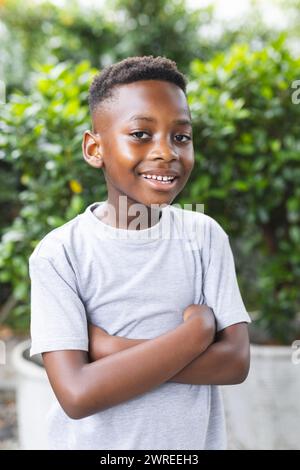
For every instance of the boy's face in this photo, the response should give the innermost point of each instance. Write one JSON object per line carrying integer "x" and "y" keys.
{"x": 127, "y": 147}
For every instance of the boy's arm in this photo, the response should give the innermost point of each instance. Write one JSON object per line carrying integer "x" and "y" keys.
{"x": 84, "y": 388}
{"x": 225, "y": 362}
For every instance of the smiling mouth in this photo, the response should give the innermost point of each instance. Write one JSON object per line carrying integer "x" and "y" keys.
{"x": 163, "y": 183}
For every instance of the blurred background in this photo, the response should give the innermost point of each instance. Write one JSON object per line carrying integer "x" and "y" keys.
{"x": 242, "y": 59}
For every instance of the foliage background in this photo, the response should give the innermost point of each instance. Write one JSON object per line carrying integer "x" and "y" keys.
{"x": 246, "y": 135}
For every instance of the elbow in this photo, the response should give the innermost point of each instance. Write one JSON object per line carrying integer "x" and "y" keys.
{"x": 78, "y": 405}
{"x": 241, "y": 367}
{"x": 73, "y": 406}
{"x": 241, "y": 375}
{"x": 74, "y": 412}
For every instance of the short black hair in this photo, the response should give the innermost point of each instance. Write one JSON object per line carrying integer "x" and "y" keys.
{"x": 130, "y": 70}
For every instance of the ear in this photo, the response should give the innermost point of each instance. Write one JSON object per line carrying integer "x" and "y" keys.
{"x": 91, "y": 149}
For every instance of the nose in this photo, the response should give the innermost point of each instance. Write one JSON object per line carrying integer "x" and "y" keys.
{"x": 163, "y": 151}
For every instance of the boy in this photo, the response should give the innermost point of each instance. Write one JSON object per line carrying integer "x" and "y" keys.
{"x": 137, "y": 326}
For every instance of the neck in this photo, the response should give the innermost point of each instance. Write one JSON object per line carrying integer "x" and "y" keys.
{"x": 124, "y": 215}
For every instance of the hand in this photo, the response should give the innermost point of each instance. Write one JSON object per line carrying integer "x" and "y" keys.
{"x": 205, "y": 314}
{"x": 195, "y": 309}
{"x": 103, "y": 344}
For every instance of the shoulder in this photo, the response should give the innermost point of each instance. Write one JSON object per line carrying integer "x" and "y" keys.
{"x": 197, "y": 222}
{"x": 56, "y": 244}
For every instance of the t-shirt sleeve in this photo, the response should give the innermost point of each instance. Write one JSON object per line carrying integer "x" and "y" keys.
{"x": 58, "y": 317}
{"x": 220, "y": 286}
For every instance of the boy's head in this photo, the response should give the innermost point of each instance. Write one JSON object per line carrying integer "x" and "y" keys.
{"x": 130, "y": 148}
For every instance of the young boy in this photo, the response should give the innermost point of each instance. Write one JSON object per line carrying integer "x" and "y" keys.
{"x": 138, "y": 323}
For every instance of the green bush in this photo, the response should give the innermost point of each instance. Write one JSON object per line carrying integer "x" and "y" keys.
{"x": 247, "y": 170}
{"x": 39, "y": 32}
{"x": 246, "y": 137}
{"x": 41, "y": 138}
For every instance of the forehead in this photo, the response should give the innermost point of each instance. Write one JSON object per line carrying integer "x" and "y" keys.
{"x": 158, "y": 98}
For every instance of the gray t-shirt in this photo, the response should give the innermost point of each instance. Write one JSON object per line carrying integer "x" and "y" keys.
{"x": 134, "y": 283}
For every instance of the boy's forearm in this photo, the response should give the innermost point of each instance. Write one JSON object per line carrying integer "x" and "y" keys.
{"x": 136, "y": 370}
{"x": 218, "y": 365}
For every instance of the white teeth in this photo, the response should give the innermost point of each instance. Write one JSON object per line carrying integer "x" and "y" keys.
{"x": 159, "y": 178}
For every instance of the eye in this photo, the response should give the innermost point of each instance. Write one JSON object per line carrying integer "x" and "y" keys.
{"x": 138, "y": 132}
{"x": 183, "y": 135}
{"x": 137, "y": 135}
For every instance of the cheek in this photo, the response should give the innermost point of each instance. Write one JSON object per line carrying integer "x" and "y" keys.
{"x": 124, "y": 154}
{"x": 189, "y": 164}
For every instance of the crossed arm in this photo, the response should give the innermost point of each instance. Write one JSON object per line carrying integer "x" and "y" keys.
{"x": 117, "y": 369}
{"x": 225, "y": 362}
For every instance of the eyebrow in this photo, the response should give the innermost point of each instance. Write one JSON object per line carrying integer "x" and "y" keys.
{"x": 139, "y": 117}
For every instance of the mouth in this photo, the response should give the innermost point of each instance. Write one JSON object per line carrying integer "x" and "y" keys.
{"x": 160, "y": 183}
